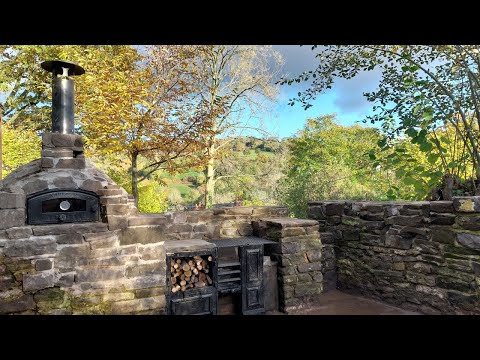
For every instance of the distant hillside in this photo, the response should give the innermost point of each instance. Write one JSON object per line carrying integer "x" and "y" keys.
{"x": 187, "y": 188}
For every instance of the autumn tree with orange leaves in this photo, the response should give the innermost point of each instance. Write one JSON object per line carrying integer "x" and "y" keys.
{"x": 131, "y": 101}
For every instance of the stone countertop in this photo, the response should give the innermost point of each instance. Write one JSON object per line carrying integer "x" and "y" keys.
{"x": 177, "y": 246}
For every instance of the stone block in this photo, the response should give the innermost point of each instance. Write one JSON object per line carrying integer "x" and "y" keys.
{"x": 466, "y": 204}
{"x": 151, "y": 292}
{"x": 469, "y": 222}
{"x": 293, "y": 232}
{"x": 110, "y": 192}
{"x": 398, "y": 242}
{"x": 316, "y": 266}
{"x": 104, "y": 200}
{"x": 57, "y": 153}
{"x": 308, "y": 289}
{"x": 48, "y": 162}
{"x": 92, "y": 274}
{"x": 441, "y": 206}
{"x": 65, "y": 280}
{"x": 137, "y": 305}
{"x": 138, "y": 270}
{"x": 38, "y": 281}
{"x": 178, "y": 228}
{"x": 12, "y": 218}
{"x": 152, "y": 252}
{"x": 49, "y": 298}
{"x": 73, "y": 163}
{"x": 73, "y": 238}
{"x": 334, "y": 208}
{"x": 442, "y": 219}
{"x": 57, "y": 229}
{"x": 91, "y": 185}
{"x": 463, "y": 301}
{"x": 315, "y": 212}
{"x": 145, "y": 282}
{"x": 147, "y": 219}
{"x": 422, "y": 279}
{"x": 449, "y": 283}
{"x": 237, "y": 210}
{"x": 65, "y": 182}
{"x": 69, "y": 257}
{"x": 442, "y": 235}
{"x": 312, "y": 229}
{"x": 311, "y": 244}
{"x": 11, "y": 200}
{"x": 117, "y": 222}
{"x": 7, "y": 282}
{"x": 118, "y": 296}
{"x": 113, "y": 260}
{"x": 314, "y": 255}
{"x": 116, "y": 251}
{"x": 43, "y": 264}
{"x": 47, "y": 140}
{"x": 351, "y": 221}
{"x": 289, "y": 279}
{"x": 19, "y": 232}
{"x": 31, "y": 247}
{"x": 287, "y": 222}
{"x": 65, "y": 140}
{"x": 399, "y": 266}
{"x": 104, "y": 243}
{"x": 468, "y": 240}
{"x": 327, "y": 238}
{"x": 15, "y": 304}
{"x": 305, "y": 277}
{"x": 117, "y": 209}
{"x": 404, "y": 220}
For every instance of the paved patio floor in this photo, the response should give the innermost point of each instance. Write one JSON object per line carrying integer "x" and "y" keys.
{"x": 339, "y": 303}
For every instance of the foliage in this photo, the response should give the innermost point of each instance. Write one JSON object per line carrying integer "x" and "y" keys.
{"x": 423, "y": 90}
{"x": 142, "y": 104}
{"x": 234, "y": 78}
{"x": 153, "y": 198}
{"x": 249, "y": 177}
{"x": 20, "y": 146}
{"x": 330, "y": 161}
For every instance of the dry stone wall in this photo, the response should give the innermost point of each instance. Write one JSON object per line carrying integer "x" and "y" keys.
{"x": 93, "y": 268}
{"x": 298, "y": 253}
{"x": 422, "y": 256}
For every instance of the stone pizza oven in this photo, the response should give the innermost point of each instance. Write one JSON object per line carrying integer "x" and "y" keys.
{"x": 72, "y": 241}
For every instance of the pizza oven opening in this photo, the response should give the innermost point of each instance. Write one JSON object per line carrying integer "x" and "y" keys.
{"x": 62, "y": 206}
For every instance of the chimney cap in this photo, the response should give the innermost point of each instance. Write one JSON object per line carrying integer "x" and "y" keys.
{"x": 55, "y": 67}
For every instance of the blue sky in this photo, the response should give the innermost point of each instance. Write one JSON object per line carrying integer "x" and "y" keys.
{"x": 345, "y": 98}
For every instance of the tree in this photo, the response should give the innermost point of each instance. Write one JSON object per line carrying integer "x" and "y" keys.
{"x": 150, "y": 108}
{"x": 233, "y": 79}
{"x": 137, "y": 103}
{"x": 328, "y": 161}
{"x": 423, "y": 89}
{"x": 249, "y": 175}
{"x": 20, "y": 146}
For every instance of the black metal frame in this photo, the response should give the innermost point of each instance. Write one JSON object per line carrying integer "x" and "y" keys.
{"x": 36, "y": 216}
{"x": 244, "y": 277}
{"x": 196, "y": 301}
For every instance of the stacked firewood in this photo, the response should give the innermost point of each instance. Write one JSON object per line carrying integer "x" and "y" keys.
{"x": 191, "y": 272}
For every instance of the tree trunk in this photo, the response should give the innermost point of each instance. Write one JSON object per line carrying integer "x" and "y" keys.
{"x": 135, "y": 177}
{"x": 210, "y": 178}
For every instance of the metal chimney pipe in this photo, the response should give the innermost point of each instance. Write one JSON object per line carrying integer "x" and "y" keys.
{"x": 63, "y": 94}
